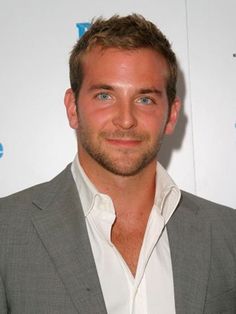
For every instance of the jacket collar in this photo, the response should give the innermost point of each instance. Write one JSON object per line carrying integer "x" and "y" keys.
{"x": 60, "y": 223}
{"x": 190, "y": 245}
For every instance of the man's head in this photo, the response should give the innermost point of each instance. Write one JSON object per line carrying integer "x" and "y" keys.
{"x": 122, "y": 101}
{"x": 126, "y": 33}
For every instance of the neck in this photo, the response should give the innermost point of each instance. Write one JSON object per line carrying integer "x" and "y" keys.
{"x": 131, "y": 195}
{"x": 133, "y": 199}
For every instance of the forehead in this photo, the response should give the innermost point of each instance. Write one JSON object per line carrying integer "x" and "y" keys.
{"x": 108, "y": 62}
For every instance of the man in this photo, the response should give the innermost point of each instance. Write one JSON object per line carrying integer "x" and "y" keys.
{"x": 112, "y": 233}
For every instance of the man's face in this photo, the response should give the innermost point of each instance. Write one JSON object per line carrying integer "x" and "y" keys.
{"x": 123, "y": 110}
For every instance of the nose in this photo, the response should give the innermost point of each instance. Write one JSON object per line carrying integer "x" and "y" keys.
{"x": 125, "y": 116}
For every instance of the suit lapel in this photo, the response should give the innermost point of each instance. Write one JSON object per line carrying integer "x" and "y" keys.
{"x": 60, "y": 224}
{"x": 189, "y": 237}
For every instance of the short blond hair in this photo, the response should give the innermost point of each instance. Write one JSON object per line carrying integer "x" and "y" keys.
{"x": 129, "y": 33}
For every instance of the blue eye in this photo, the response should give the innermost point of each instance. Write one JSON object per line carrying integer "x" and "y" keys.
{"x": 103, "y": 96}
{"x": 145, "y": 100}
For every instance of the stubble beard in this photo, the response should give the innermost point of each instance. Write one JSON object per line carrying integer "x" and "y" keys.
{"x": 125, "y": 164}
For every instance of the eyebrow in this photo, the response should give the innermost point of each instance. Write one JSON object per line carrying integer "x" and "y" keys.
{"x": 150, "y": 91}
{"x": 139, "y": 91}
{"x": 100, "y": 86}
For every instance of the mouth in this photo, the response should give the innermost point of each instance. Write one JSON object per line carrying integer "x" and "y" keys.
{"x": 124, "y": 142}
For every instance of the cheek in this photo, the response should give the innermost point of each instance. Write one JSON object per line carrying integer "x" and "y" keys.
{"x": 155, "y": 123}
{"x": 92, "y": 119}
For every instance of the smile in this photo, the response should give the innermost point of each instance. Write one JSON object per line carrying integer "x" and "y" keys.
{"x": 125, "y": 142}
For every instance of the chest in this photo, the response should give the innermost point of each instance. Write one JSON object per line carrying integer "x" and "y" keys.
{"x": 128, "y": 243}
{"x": 140, "y": 275}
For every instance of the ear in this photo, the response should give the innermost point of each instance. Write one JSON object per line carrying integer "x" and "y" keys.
{"x": 69, "y": 101}
{"x": 173, "y": 116}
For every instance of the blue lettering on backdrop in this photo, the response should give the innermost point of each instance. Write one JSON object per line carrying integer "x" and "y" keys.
{"x": 82, "y": 28}
{"x": 1, "y": 150}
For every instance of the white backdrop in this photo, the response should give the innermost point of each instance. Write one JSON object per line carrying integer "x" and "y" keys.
{"x": 36, "y": 38}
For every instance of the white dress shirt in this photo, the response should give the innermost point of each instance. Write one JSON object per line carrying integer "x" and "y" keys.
{"x": 151, "y": 291}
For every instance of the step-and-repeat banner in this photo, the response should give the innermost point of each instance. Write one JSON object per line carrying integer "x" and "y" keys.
{"x": 36, "y": 39}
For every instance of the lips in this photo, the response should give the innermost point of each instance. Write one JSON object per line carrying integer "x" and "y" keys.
{"x": 128, "y": 139}
{"x": 125, "y": 142}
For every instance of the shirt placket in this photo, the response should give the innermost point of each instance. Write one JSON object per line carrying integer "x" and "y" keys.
{"x": 153, "y": 232}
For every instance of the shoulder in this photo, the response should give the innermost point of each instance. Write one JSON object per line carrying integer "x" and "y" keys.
{"x": 205, "y": 206}
{"x": 20, "y": 203}
{"x": 222, "y": 218}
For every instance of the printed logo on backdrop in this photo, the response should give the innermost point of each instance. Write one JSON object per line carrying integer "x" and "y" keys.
{"x": 82, "y": 28}
{"x": 1, "y": 150}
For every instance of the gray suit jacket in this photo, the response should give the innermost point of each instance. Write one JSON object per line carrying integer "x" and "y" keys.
{"x": 47, "y": 266}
